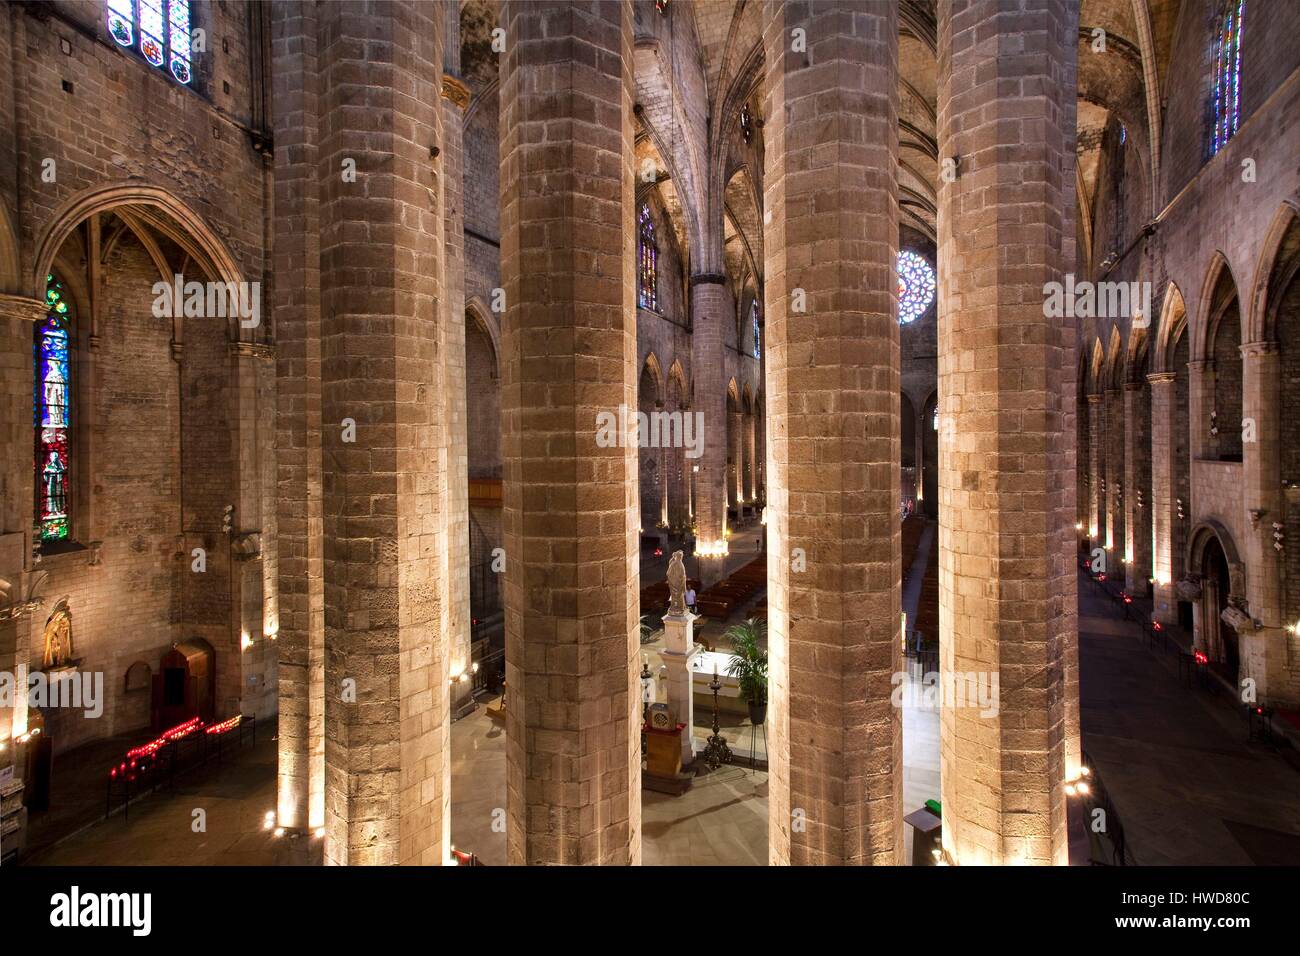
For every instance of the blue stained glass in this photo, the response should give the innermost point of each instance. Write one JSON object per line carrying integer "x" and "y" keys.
{"x": 164, "y": 32}
{"x": 120, "y": 17}
{"x": 915, "y": 286}
{"x": 151, "y": 32}
{"x": 758, "y": 341}
{"x": 1227, "y": 76}
{"x": 649, "y": 260}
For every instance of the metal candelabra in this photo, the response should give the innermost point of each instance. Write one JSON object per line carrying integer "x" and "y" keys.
{"x": 717, "y": 752}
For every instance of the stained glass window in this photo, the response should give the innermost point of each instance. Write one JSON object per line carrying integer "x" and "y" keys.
{"x": 915, "y": 286}
{"x": 746, "y": 123}
{"x": 649, "y": 264}
{"x": 53, "y": 407}
{"x": 758, "y": 333}
{"x": 163, "y": 27}
{"x": 1227, "y": 74}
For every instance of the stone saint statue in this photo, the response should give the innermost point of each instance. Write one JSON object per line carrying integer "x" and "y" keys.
{"x": 676, "y": 584}
{"x": 58, "y": 641}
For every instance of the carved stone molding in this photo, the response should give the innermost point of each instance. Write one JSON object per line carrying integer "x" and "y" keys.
{"x": 1189, "y": 588}
{"x": 246, "y": 545}
{"x": 1238, "y": 620}
{"x": 1162, "y": 378}
{"x": 1253, "y": 349}
{"x": 257, "y": 350}
{"x": 456, "y": 91}
{"x": 21, "y": 307}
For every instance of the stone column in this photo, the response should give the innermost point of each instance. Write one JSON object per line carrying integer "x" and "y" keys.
{"x": 711, "y": 307}
{"x": 300, "y": 800}
{"x": 1096, "y": 466}
{"x": 1003, "y": 84}
{"x": 1200, "y": 402}
{"x": 1164, "y": 513}
{"x": 455, "y": 100}
{"x": 1263, "y": 652}
{"x": 568, "y": 355}
{"x": 735, "y": 456}
{"x": 664, "y": 459}
{"x": 919, "y": 424}
{"x": 1067, "y": 383}
{"x": 1113, "y": 541}
{"x": 831, "y": 242}
{"x": 678, "y": 478}
{"x": 1137, "y": 490}
{"x": 387, "y": 755}
{"x": 253, "y": 538}
{"x": 751, "y": 461}
{"x": 19, "y": 317}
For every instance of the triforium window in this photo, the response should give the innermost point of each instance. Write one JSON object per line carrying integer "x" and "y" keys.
{"x": 915, "y": 286}
{"x": 1227, "y": 74}
{"x": 758, "y": 333}
{"x": 649, "y": 268}
{"x": 53, "y": 405}
{"x": 158, "y": 29}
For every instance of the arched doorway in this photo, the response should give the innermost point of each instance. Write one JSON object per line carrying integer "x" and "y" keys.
{"x": 1220, "y": 640}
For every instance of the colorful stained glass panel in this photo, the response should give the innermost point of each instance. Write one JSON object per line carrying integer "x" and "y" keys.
{"x": 649, "y": 260}
{"x": 915, "y": 286}
{"x": 120, "y": 17}
{"x": 53, "y": 416}
{"x": 1227, "y": 75}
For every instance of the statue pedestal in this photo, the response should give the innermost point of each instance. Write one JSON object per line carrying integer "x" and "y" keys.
{"x": 679, "y": 649}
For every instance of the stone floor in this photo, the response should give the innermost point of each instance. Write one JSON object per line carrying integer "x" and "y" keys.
{"x": 721, "y": 820}
{"x": 160, "y": 830}
{"x": 1185, "y": 781}
{"x": 1187, "y": 784}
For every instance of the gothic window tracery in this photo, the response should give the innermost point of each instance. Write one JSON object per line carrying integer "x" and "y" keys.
{"x": 1227, "y": 74}
{"x": 915, "y": 286}
{"x": 53, "y": 412}
{"x": 159, "y": 30}
{"x": 648, "y": 266}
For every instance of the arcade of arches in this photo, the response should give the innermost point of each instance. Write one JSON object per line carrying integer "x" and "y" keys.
{"x": 801, "y": 253}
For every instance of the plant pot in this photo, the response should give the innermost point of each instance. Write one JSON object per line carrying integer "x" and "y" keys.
{"x": 757, "y": 712}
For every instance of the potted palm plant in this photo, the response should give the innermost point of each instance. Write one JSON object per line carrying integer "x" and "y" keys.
{"x": 749, "y": 665}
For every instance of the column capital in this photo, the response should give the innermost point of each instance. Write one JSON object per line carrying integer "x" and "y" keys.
{"x": 455, "y": 91}
{"x": 1134, "y": 386}
{"x": 1201, "y": 365}
{"x": 1256, "y": 349}
{"x": 708, "y": 278}
{"x": 1095, "y": 398}
{"x": 1162, "y": 378}
{"x": 23, "y": 308}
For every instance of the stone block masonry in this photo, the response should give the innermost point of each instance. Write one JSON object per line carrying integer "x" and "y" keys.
{"x": 573, "y": 772}
{"x": 1007, "y": 593}
{"x": 831, "y": 193}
